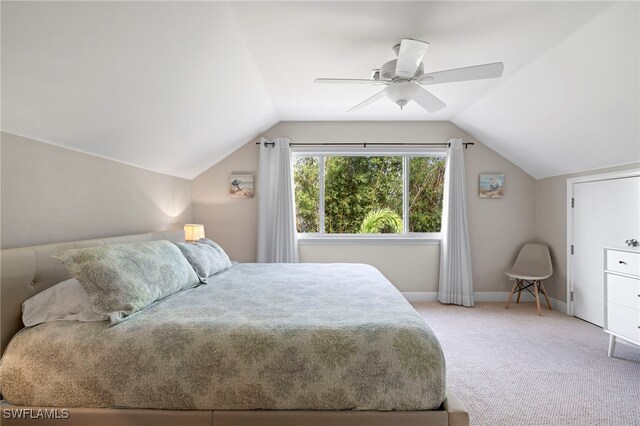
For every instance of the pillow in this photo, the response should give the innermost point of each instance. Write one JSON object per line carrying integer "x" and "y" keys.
{"x": 66, "y": 301}
{"x": 123, "y": 279}
{"x": 206, "y": 257}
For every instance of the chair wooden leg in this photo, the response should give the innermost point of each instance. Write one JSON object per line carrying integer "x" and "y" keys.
{"x": 519, "y": 290}
{"x": 535, "y": 291}
{"x": 513, "y": 289}
{"x": 544, "y": 291}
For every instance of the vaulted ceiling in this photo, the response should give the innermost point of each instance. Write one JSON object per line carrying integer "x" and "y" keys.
{"x": 176, "y": 86}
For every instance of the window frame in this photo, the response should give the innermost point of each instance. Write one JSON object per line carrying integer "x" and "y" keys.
{"x": 406, "y": 236}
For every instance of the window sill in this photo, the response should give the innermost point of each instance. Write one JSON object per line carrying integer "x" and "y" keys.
{"x": 390, "y": 240}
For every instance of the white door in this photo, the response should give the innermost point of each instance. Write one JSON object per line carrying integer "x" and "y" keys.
{"x": 605, "y": 214}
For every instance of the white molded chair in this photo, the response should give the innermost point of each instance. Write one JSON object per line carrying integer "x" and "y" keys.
{"x": 532, "y": 265}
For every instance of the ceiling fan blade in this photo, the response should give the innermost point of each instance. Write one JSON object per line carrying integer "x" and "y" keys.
{"x": 350, "y": 80}
{"x": 410, "y": 56}
{"x": 477, "y": 72}
{"x": 367, "y": 101}
{"x": 427, "y": 101}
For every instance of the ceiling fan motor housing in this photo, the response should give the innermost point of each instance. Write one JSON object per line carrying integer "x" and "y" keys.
{"x": 388, "y": 70}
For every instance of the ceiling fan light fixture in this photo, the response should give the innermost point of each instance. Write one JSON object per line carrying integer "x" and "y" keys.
{"x": 401, "y": 92}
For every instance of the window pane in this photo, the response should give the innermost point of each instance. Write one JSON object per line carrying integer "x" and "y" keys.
{"x": 363, "y": 195}
{"x": 307, "y": 193}
{"x": 426, "y": 184}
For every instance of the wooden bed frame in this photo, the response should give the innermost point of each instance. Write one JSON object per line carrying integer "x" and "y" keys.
{"x": 27, "y": 271}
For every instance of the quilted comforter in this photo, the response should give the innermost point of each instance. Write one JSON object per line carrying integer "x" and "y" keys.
{"x": 257, "y": 336}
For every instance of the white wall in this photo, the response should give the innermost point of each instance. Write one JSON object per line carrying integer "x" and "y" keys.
{"x": 412, "y": 268}
{"x": 498, "y": 227}
{"x": 51, "y": 194}
{"x": 232, "y": 222}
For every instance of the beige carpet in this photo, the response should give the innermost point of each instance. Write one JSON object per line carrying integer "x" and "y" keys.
{"x": 511, "y": 367}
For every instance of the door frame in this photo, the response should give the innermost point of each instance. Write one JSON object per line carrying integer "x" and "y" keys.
{"x": 570, "y": 183}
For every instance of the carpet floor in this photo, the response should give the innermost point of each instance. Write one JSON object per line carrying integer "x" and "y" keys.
{"x": 512, "y": 367}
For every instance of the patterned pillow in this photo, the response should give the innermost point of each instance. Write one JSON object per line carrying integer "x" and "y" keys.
{"x": 123, "y": 279}
{"x": 206, "y": 257}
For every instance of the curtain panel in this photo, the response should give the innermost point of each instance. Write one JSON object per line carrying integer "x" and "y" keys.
{"x": 456, "y": 278}
{"x": 277, "y": 236}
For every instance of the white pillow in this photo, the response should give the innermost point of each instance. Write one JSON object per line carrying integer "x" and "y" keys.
{"x": 66, "y": 301}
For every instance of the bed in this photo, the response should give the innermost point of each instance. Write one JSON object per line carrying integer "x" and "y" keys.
{"x": 268, "y": 344}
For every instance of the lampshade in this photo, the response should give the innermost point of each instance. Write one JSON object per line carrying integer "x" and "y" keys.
{"x": 193, "y": 232}
{"x": 402, "y": 92}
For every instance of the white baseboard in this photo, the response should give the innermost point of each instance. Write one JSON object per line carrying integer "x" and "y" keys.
{"x": 483, "y": 296}
{"x": 420, "y": 296}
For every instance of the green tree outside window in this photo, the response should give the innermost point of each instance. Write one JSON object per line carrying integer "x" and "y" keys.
{"x": 365, "y": 194}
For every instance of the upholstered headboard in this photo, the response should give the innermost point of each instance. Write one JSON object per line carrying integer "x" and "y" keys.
{"x": 26, "y": 271}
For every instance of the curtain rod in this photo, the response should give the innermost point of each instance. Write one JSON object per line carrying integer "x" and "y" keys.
{"x": 366, "y": 144}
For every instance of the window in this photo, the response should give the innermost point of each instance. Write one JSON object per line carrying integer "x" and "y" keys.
{"x": 338, "y": 194}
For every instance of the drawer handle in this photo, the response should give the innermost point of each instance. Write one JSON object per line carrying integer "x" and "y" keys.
{"x": 622, "y": 262}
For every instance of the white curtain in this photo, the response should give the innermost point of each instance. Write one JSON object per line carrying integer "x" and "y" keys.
{"x": 277, "y": 238}
{"x": 456, "y": 282}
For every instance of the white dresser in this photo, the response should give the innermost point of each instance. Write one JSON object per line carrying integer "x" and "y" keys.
{"x": 622, "y": 295}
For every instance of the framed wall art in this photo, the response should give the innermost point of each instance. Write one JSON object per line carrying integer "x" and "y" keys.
{"x": 241, "y": 185}
{"x": 491, "y": 185}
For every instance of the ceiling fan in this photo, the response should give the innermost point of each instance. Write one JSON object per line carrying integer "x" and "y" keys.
{"x": 404, "y": 76}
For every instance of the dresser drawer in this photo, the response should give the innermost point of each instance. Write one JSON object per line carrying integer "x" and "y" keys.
{"x": 624, "y": 291}
{"x": 624, "y": 321}
{"x": 623, "y": 261}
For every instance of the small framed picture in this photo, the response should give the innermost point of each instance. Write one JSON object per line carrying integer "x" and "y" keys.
{"x": 491, "y": 185}
{"x": 241, "y": 185}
